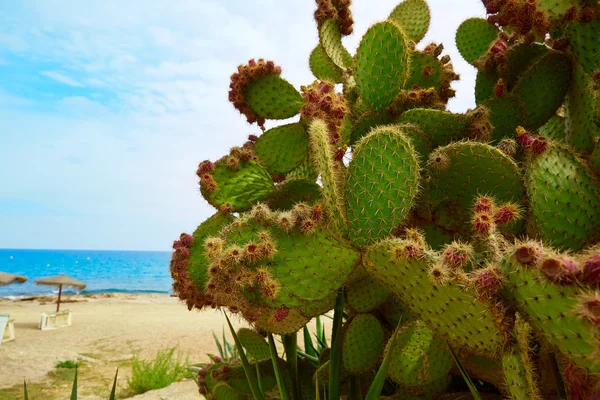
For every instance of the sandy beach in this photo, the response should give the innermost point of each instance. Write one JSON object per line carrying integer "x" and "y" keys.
{"x": 106, "y": 330}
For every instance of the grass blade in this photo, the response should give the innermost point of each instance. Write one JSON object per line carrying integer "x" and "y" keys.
{"x": 113, "y": 392}
{"x": 381, "y": 376}
{"x": 309, "y": 348}
{"x": 336, "y": 348}
{"x": 290, "y": 343}
{"x": 465, "y": 375}
{"x": 219, "y": 347}
{"x": 256, "y": 392}
{"x": 25, "y": 389}
{"x": 74, "y": 389}
{"x": 314, "y": 360}
{"x": 278, "y": 375}
{"x": 225, "y": 347}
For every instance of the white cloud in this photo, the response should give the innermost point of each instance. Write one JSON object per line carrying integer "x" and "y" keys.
{"x": 164, "y": 68}
{"x": 57, "y": 76}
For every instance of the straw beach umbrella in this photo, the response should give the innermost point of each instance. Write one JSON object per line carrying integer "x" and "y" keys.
{"x": 7, "y": 279}
{"x": 60, "y": 281}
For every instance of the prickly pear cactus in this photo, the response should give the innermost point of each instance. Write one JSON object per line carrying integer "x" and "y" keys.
{"x": 473, "y": 232}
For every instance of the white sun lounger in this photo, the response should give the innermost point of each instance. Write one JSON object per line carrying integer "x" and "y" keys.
{"x": 56, "y": 320}
{"x": 7, "y": 328}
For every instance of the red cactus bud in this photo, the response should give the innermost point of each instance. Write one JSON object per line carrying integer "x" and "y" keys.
{"x": 225, "y": 369}
{"x": 281, "y": 314}
{"x": 177, "y": 244}
{"x": 482, "y": 223}
{"x": 252, "y": 138}
{"x": 587, "y": 14}
{"x": 457, "y": 254}
{"x": 184, "y": 252}
{"x": 561, "y": 269}
{"x": 487, "y": 281}
{"x": 505, "y": 214}
{"x": 590, "y": 308}
{"x": 498, "y": 47}
{"x": 484, "y": 204}
{"x": 205, "y": 167}
{"x": 539, "y": 145}
{"x": 217, "y": 359}
{"x": 591, "y": 270}
{"x": 428, "y": 70}
{"x": 186, "y": 240}
{"x": 202, "y": 372}
{"x": 500, "y": 88}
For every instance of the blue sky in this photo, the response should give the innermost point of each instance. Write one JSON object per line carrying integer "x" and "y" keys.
{"x": 106, "y": 107}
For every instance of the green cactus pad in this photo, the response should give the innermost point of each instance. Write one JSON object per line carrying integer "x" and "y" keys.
{"x": 304, "y": 171}
{"x": 565, "y": 203}
{"x": 364, "y": 340}
{"x": 580, "y": 112}
{"x": 441, "y": 127}
{"x": 413, "y": 17}
{"x": 197, "y": 261}
{"x": 394, "y": 313}
{"x": 368, "y": 121}
{"x": 519, "y": 58}
{"x": 419, "y": 358}
{"x": 239, "y": 382}
{"x": 583, "y": 38}
{"x": 549, "y": 309}
{"x": 381, "y": 64}
{"x": 555, "y": 8}
{"x": 273, "y": 97}
{"x": 474, "y": 37}
{"x": 307, "y": 267}
{"x": 283, "y": 148}
{"x": 255, "y": 345}
{"x": 514, "y": 373}
{"x": 294, "y": 191}
{"x": 436, "y": 237}
{"x": 382, "y": 182}
{"x": 425, "y": 71}
{"x": 468, "y": 169}
{"x": 322, "y": 67}
{"x": 506, "y": 114}
{"x": 330, "y": 39}
{"x": 223, "y": 391}
{"x": 365, "y": 294}
{"x": 419, "y": 139}
{"x": 543, "y": 87}
{"x": 554, "y": 129}
{"x": 485, "y": 82}
{"x": 240, "y": 188}
{"x": 451, "y": 310}
{"x": 293, "y": 322}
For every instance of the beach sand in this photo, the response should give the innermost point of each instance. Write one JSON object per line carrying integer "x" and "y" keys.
{"x": 106, "y": 330}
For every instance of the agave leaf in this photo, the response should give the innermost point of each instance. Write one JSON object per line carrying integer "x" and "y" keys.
{"x": 309, "y": 348}
{"x": 336, "y": 348}
{"x": 278, "y": 375}
{"x": 74, "y": 389}
{"x": 252, "y": 381}
{"x": 465, "y": 375}
{"x": 381, "y": 376}
{"x": 290, "y": 343}
{"x": 113, "y": 392}
{"x": 219, "y": 347}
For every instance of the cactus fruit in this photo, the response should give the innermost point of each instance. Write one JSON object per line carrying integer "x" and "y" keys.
{"x": 479, "y": 228}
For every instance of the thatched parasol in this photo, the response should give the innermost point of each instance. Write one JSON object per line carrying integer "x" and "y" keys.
{"x": 7, "y": 279}
{"x": 60, "y": 281}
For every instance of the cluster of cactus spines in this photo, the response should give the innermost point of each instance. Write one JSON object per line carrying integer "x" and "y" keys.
{"x": 480, "y": 229}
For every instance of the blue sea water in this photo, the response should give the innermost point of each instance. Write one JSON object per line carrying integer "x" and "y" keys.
{"x": 101, "y": 270}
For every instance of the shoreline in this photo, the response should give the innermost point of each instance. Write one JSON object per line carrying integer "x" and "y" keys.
{"x": 107, "y": 329}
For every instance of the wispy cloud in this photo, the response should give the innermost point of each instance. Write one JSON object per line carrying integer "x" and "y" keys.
{"x": 108, "y": 106}
{"x": 57, "y": 76}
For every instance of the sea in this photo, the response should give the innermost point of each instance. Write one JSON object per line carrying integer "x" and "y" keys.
{"x": 104, "y": 271}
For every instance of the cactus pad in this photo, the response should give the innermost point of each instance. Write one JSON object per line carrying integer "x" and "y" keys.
{"x": 565, "y": 203}
{"x": 294, "y": 191}
{"x": 383, "y": 180}
{"x": 322, "y": 67}
{"x": 474, "y": 37}
{"x": 365, "y": 294}
{"x": 364, "y": 339}
{"x": 283, "y": 148}
{"x": 583, "y": 37}
{"x": 273, "y": 97}
{"x": 419, "y": 358}
{"x": 413, "y": 17}
{"x": 381, "y": 65}
{"x": 238, "y": 189}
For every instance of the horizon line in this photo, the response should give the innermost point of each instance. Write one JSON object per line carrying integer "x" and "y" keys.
{"x": 62, "y": 249}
